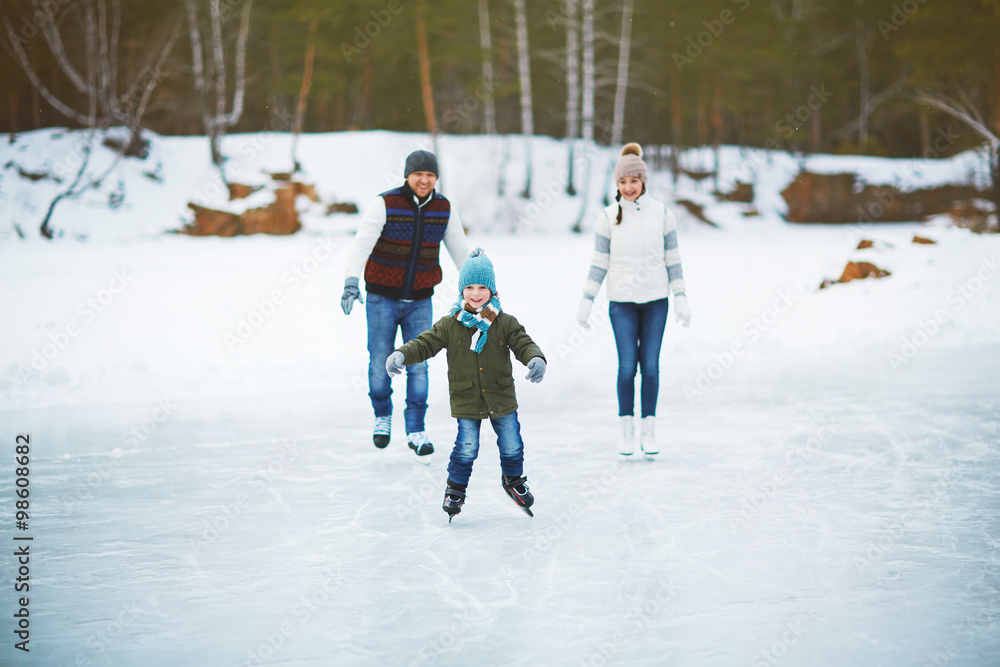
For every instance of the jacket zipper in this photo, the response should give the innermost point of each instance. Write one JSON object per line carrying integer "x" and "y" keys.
{"x": 409, "y": 276}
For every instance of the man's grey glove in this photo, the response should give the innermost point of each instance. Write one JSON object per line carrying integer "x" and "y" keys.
{"x": 536, "y": 369}
{"x": 352, "y": 293}
{"x": 394, "y": 364}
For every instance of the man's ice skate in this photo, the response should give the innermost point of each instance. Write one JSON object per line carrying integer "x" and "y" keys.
{"x": 421, "y": 446}
{"x": 380, "y": 434}
{"x": 648, "y": 439}
{"x": 517, "y": 489}
{"x": 454, "y": 498}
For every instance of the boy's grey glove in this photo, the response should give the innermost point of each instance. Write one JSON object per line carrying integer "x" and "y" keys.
{"x": 394, "y": 364}
{"x": 352, "y": 293}
{"x": 536, "y": 369}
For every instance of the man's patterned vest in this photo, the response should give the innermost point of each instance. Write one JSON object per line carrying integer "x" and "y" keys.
{"x": 404, "y": 263}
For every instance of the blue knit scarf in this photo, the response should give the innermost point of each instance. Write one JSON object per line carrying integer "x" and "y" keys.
{"x": 479, "y": 319}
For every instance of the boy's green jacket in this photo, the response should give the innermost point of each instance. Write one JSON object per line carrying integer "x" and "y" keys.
{"x": 481, "y": 385}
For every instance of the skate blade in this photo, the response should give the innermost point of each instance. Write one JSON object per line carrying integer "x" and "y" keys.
{"x": 650, "y": 457}
{"x": 528, "y": 510}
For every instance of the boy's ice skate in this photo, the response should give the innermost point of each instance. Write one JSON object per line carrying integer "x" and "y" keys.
{"x": 380, "y": 434}
{"x": 421, "y": 446}
{"x": 517, "y": 489}
{"x": 454, "y": 498}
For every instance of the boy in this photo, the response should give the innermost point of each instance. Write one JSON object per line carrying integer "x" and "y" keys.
{"x": 479, "y": 338}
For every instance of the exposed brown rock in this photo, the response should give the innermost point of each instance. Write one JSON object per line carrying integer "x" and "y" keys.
{"x": 697, "y": 210}
{"x": 279, "y": 217}
{"x": 212, "y": 222}
{"x": 857, "y": 271}
{"x": 921, "y": 239}
{"x": 241, "y": 191}
{"x": 341, "y": 207}
{"x": 305, "y": 189}
{"x": 741, "y": 192}
{"x": 865, "y": 243}
{"x": 835, "y": 198}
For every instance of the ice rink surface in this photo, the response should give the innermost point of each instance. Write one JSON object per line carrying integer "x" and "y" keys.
{"x": 823, "y": 511}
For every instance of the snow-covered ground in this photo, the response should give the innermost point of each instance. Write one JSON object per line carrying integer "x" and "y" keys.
{"x": 205, "y": 491}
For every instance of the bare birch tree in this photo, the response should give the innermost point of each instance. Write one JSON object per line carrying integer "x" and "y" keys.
{"x": 572, "y": 87}
{"x": 211, "y": 84}
{"x": 97, "y": 79}
{"x": 621, "y": 85}
{"x": 486, "y": 45}
{"x": 524, "y": 71}
{"x": 300, "y": 112}
{"x": 587, "y": 101}
{"x": 965, "y": 111}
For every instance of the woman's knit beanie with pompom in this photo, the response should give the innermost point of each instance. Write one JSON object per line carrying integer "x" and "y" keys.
{"x": 630, "y": 163}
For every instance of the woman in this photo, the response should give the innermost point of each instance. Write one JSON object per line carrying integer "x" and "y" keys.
{"x": 635, "y": 248}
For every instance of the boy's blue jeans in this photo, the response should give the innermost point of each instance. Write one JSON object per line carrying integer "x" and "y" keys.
{"x": 466, "y": 449}
{"x": 638, "y": 331}
{"x": 385, "y": 316}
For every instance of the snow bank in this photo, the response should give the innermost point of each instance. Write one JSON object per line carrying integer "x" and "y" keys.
{"x": 136, "y": 313}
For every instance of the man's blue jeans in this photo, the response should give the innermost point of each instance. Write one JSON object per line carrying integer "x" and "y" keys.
{"x": 638, "y": 331}
{"x": 508, "y": 431}
{"x": 385, "y": 316}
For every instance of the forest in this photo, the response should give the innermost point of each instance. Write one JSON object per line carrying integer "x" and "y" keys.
{"x": 899, "y": 78}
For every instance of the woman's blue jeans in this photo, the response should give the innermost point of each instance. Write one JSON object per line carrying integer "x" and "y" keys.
{"x": 385, "y": 316}
{"x": 508, "y": 431}
{"x": 638, "y": 331}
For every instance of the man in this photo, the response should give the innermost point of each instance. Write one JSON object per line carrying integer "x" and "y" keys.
{"x": 397, "y": 247}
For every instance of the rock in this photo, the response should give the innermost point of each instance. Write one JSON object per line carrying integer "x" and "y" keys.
{"x": 307, "y": 190}
{"x": 212, "y": 222}
{"x": 860, "y": 270}
{"x": 279, "y": 218}
{"x": 697, "y": 210}
{"x": 241, "y": 191}
{"x": 921, "y": 239}
{"x": 341, "y": 207}
{"x": 839, "y": 198}
{"x": 865, "y": 243}
{"x": 742, "y": 192}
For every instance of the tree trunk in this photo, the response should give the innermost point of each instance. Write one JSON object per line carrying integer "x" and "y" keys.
{"x": 486, "y": 44}
{"x": 861, "y": 41}
{"x": 588, "y": 72}
{"x": 426, "y": 91}
{"x": 925, "y": 132}
{"x": 816, "y": 125}
{"x": 304, "y": 91}
{"x": 14, "y": 101}
{"x": 572, "y": 88}
{"x": 624, "y": 46}
{"x": 676, "y": 123}
{"x": 524, "y": 71}
{"x": 717, "y": 123}
{"x": 702, "y": 110}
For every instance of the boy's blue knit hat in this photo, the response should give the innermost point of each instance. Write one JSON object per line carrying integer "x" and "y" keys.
{"x": 477, "y": 270}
